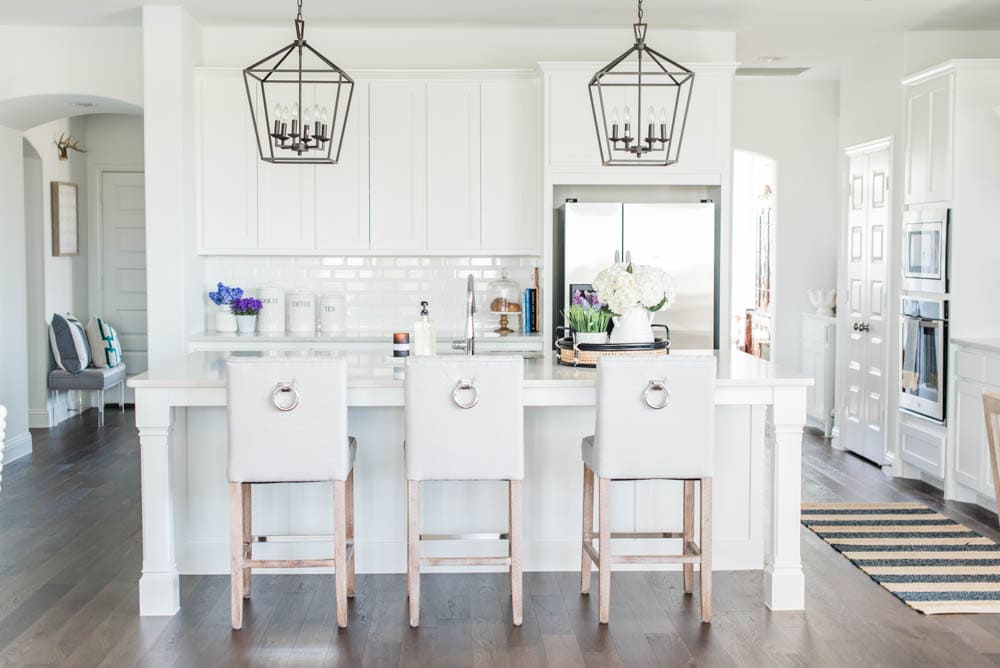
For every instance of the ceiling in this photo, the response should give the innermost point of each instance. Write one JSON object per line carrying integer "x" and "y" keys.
{"x": 738, "y": 15}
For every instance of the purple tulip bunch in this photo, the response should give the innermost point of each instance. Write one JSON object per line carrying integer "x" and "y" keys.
{"x": 586, "y": 312}
{"x": 246, "y": 306}
{"x": 225, "y": 295}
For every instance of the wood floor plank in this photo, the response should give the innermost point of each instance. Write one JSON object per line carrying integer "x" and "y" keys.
{"x": 71, "y": 557}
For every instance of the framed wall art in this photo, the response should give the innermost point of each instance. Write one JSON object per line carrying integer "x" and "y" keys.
{"x": 65, "y": 227}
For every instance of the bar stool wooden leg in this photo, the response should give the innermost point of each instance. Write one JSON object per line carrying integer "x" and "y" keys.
{"x": 247, "y": 536}
{"x": 236, "y": 553}
{"x": 604, "y": 551}
{"x": 705, "y": 572}
{"x": 350, "y": 534}
{"x": 516, "y": 582}
{"x": 688, "y": 533}
{"x": 588, "y": 528}
{"x": 340, "y": 549}
{"x": 413, "y": 549}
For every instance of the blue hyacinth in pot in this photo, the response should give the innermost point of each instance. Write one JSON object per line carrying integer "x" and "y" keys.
{"x": 246, "y": 309}
{"x": 588, "y": 318}
{"x": 223, "y": 298}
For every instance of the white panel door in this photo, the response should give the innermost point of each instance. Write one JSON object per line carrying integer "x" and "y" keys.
{"x": 510, "y": 166}
{"x": 398, "y": 175}
{"x": 342, "y": 189}
{"x": 123, "y": 264}
{"x": 226, "y": 184}
{"x": 453, "y": 169}
{"x": 866, "y": 305}
{"x": 876, "y": 328}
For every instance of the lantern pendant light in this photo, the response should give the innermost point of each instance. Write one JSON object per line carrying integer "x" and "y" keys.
{"x": 657, "y": 88}
{"x": 299, "y": 101}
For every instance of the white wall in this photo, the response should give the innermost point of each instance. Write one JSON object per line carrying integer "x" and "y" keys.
{"x": 38, "y": 338}
{"x": 797, "y": 124}
{"x": 928, "y": 48}
{"x": 13, "y": 295}
{"x": 49, "y": 65}
{"x": 457, "y": 47}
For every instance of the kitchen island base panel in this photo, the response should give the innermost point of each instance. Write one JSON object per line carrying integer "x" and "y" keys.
{"x": 181, "y": 417}
{"x": 552, "y": 489}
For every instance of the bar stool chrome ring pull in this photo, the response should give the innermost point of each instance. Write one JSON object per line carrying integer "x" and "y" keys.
{"x": 283, "y": 388}
{"x": 656, "y": 386}
{"x": 462, "y": 386}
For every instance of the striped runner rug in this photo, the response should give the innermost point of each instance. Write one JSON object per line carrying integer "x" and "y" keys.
{"x": 931, "y": 563}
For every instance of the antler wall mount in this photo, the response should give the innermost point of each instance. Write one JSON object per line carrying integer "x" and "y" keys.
{"x": 65, "y": 143}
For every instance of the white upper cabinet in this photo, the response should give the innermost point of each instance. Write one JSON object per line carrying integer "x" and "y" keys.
{"x": 445, "y": 163}
{"x": 511, "y": 168}
{"x": 453, "y": 165}
{"x": 226, "y": 162}
{"x": 398, "y": 145}
{"x": 928, "y": 162}
{"x": 571, "y": 139}
{"x": 342, "y": 189}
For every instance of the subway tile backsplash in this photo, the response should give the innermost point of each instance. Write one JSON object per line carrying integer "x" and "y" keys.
{"x": 383, "y": 293}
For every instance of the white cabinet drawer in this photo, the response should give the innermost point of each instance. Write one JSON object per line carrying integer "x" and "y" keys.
{"x": 923, "y": 447}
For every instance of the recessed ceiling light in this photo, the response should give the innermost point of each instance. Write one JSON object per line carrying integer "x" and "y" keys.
{"x": 771, "y": 59}
{"x": 83, "y": 105}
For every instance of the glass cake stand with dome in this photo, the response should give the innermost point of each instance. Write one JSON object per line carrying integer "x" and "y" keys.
{"x": 505, "y": 301}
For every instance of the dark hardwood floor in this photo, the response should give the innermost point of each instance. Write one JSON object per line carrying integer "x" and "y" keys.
{"x": 70, "y": 560}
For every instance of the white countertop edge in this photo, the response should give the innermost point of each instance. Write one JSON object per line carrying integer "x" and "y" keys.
{"x": 988, "y": 344}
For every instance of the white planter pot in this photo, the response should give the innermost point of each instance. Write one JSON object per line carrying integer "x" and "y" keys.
{"x": 590, "y": 337}
{"x": 246, "y": 324}
{"x": 225, "y": 321}
{"x": 633, "y": 326}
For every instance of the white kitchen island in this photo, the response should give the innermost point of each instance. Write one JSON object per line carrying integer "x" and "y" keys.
{"x": 180, "y": 415}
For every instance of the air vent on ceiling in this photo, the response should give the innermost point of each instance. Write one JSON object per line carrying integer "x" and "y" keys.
{"x": 770, "y": 71}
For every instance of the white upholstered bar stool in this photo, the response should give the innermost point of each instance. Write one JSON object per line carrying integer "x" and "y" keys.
{"x": 464, "y": 421}
{"x": 655, "y": 421}
{"x": 288, "y": 423}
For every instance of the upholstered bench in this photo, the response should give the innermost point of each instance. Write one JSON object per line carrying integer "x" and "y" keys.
{"x": 91, "y": 379}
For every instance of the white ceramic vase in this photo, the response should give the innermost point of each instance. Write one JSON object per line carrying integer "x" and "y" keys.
{"x": 247, "y": 324}
{"x": 633, "y": 326}
{"x": 590, "y": 338}
{"x": 225, "y": 321}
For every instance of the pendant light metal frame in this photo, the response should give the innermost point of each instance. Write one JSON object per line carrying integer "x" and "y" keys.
{"x": 656, "y": 149}
{"x": 299, "y": 144}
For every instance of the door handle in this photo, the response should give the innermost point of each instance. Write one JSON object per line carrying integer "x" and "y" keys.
{"x": 864, "y": 327}
{"x": 857, "y": 327}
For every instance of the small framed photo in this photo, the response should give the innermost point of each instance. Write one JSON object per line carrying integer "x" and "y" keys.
{"x": 65, "y": 229}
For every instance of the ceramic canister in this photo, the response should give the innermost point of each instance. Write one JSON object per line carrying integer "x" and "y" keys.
{"x": 301, "y": 312}
{"x": 272, "y": 316}
{"x": 332, "y": 314}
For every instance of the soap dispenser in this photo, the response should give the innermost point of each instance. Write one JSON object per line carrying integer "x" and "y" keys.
{"x": 424, "y": 334}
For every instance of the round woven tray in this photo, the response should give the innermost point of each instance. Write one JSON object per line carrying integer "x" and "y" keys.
{"x": 587, "y": 354}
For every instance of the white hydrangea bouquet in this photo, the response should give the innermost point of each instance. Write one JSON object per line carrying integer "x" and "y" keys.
{"x": 633, "y": 293}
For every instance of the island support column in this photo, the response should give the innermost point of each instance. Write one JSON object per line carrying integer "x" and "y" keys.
{"x": 159, "y": 586}
{"x": 784, "y": 583}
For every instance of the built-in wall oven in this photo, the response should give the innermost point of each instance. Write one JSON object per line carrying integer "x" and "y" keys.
{"x": 925, "y": 250}
{"x": 924, "y": 350}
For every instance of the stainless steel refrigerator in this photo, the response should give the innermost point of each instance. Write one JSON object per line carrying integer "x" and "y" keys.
{"x": 681, "y": 239}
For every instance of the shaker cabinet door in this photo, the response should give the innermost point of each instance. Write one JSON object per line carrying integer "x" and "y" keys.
{"x": 398, "y": 146}
{"x": 453, "y": 166}
{"x": 510, "y": 165}
{"x": 342, "y": 189}
{"x": 928, "y": 163}
{"x": 226, "y": 159}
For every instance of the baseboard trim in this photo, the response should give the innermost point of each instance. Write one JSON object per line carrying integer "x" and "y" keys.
{"x": 38, "y": 419}
{"x": 17, "y": 447}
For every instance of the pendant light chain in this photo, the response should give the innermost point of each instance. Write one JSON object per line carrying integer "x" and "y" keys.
{"x": 640, "y": 9}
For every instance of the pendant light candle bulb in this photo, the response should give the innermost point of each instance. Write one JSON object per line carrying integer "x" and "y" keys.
{"x": 628, "y": 121}
{"x": 650, "y": 122}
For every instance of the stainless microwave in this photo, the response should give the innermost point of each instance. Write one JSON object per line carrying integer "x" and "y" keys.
{"x": 925, "y": 250}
